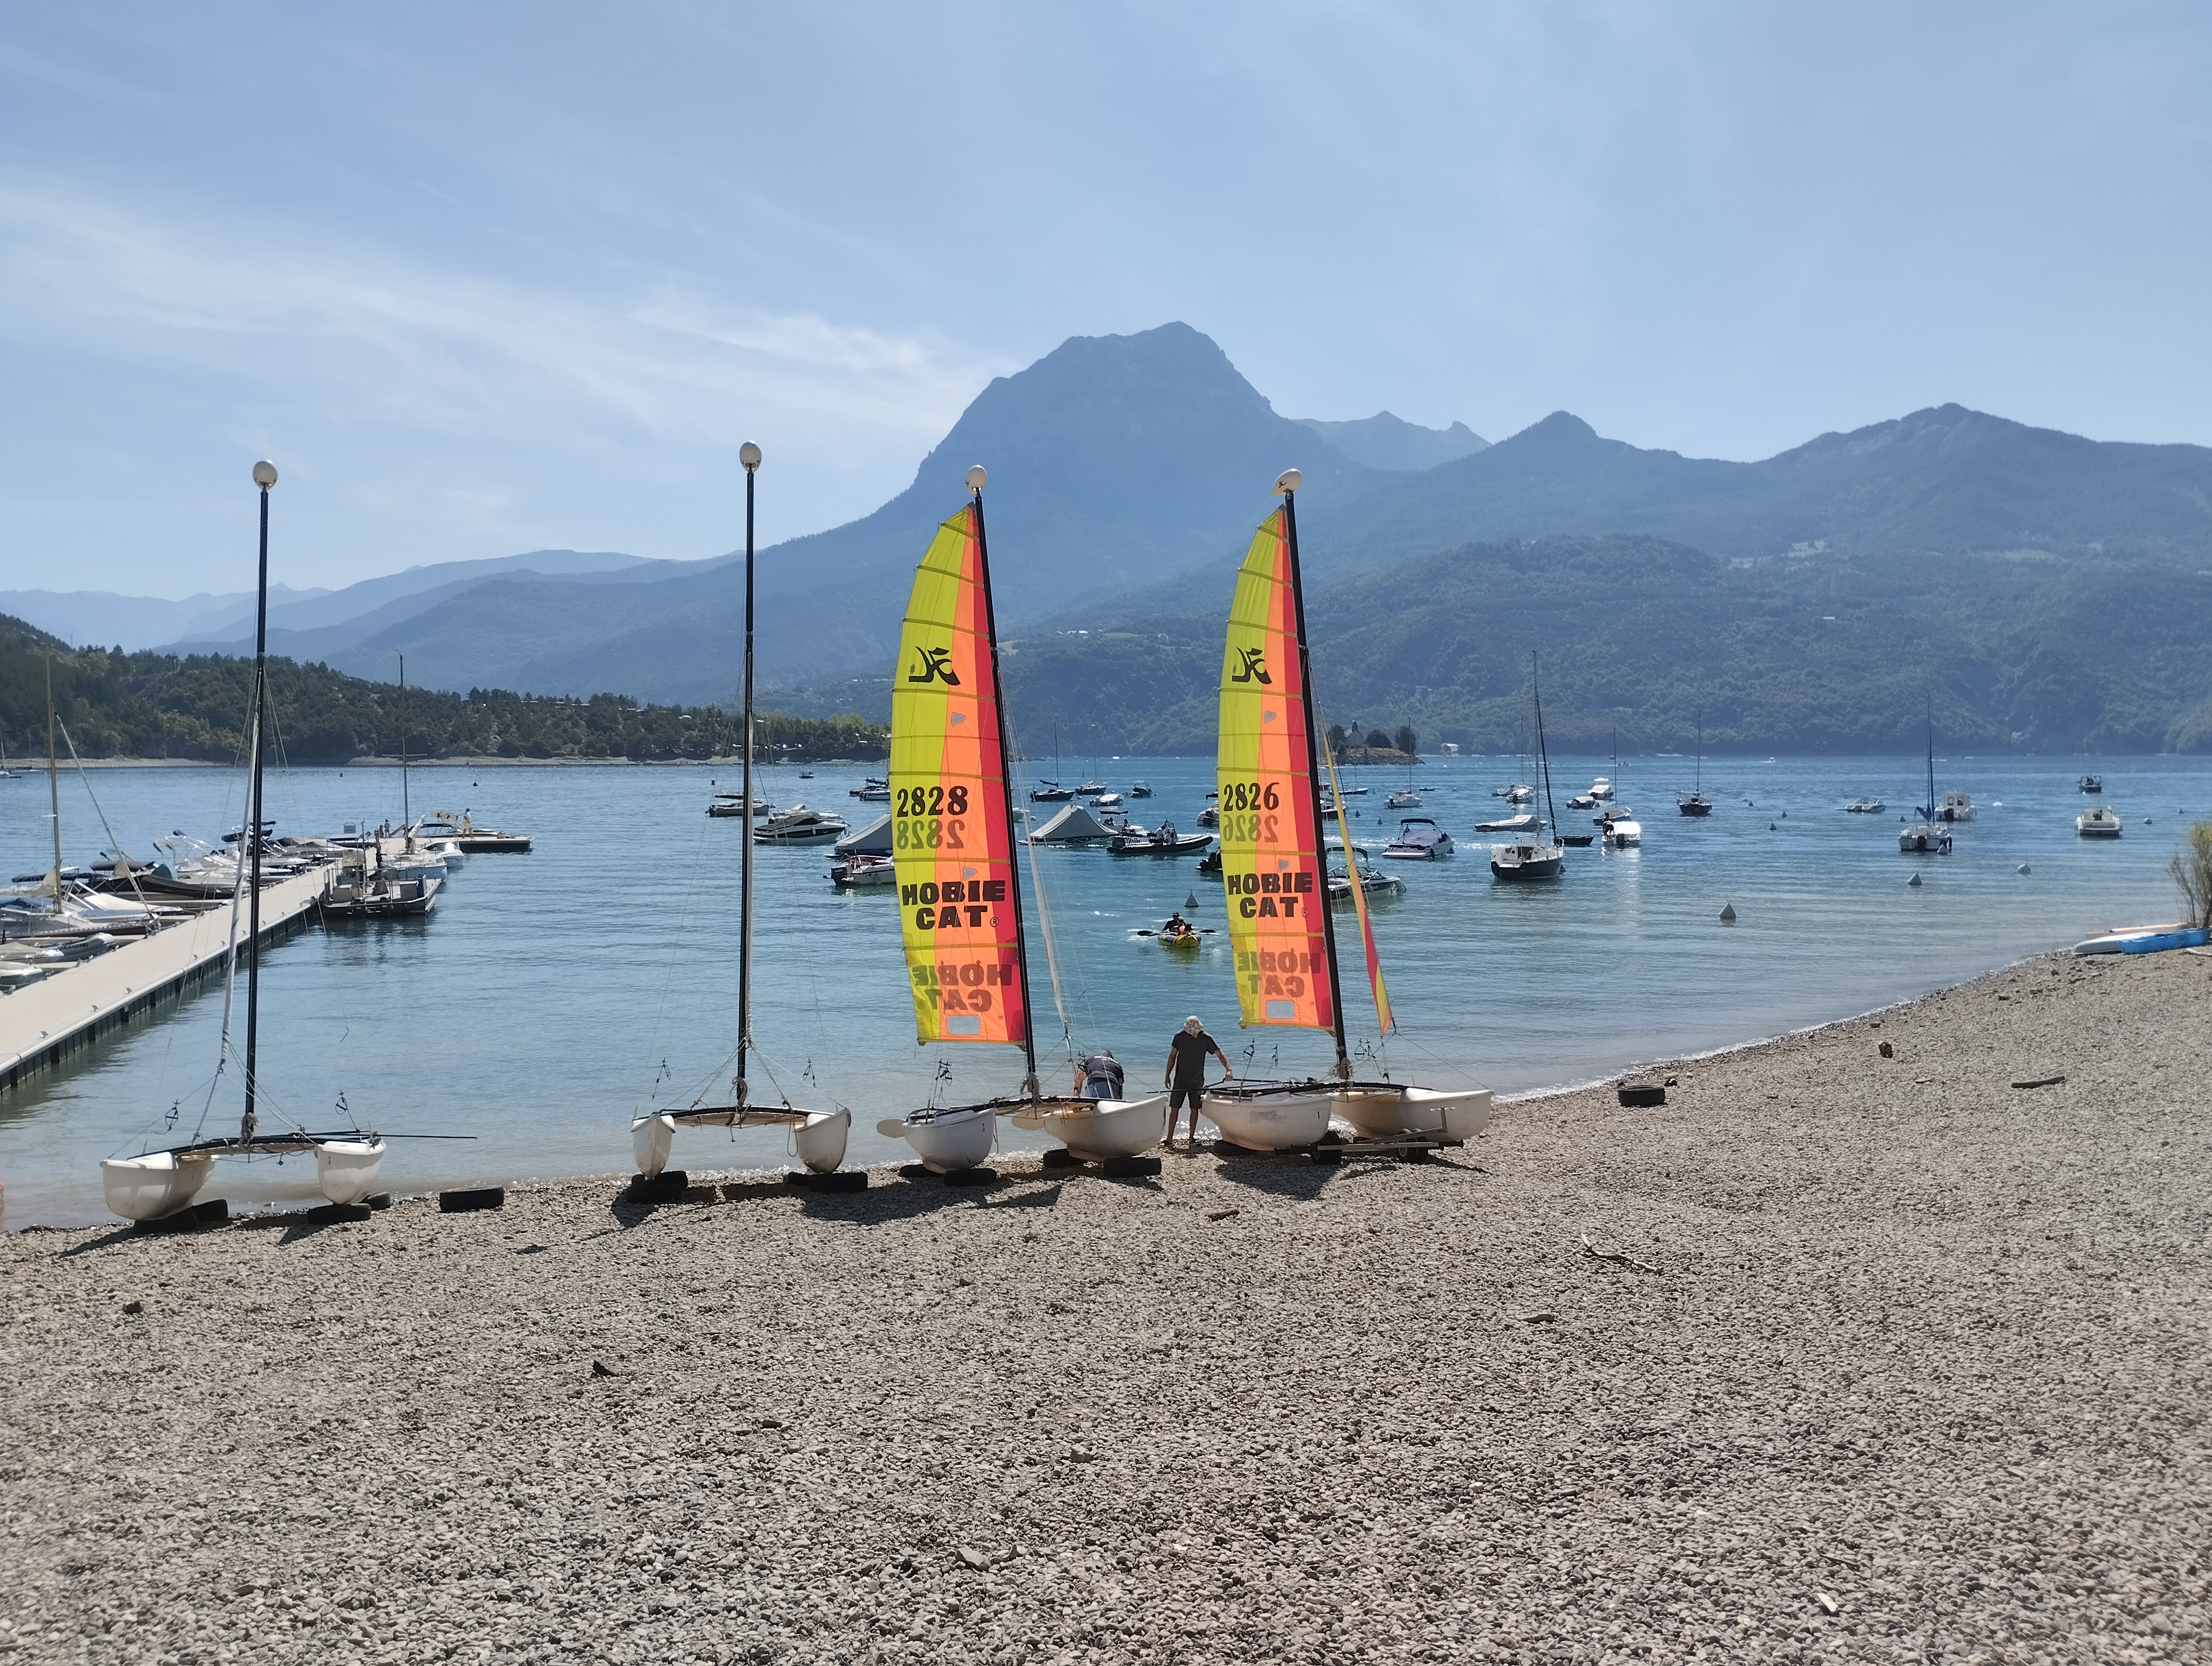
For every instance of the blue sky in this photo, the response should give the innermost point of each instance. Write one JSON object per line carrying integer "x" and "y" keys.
{"x": 500, "y": 276}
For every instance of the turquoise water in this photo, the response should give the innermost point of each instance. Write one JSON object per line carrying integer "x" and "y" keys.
{"x": 554, "y": 996}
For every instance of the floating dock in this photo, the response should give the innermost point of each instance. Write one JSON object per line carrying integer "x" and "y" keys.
{"x": 43, "y": 1023}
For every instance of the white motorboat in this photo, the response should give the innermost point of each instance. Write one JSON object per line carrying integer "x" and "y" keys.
{"x": 863, "y": 872}
{"x": 874, "y": 790}
{"x": 1623, "y": 835}
{"x": 1864, "y": 808}
{"x": 732, "y": 805}
{"x": 1384, "y": 1111}
{"x": 1518, "y": 793}
{"x": 1521, "y": 824}
{"x": 1373, "y": 882}
{"x": 1420, "y": 839}
{"x": 1404, "y": 799}
{"x": 2098, "y": 821}
{"x": 1955, "y": 807}
{"x": 1600, "y": 790}
{"x": 818, "y": 1137}
{"x": 1138, "y": 789}
{"x": 364, "y": 887}
{"x": 800, "y": 825}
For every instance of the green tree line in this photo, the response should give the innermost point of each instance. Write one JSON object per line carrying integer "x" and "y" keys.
{"x": 159, "y": 705}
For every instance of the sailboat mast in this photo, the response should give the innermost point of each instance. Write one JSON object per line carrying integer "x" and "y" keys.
{"x": 1930, "y": 814}
{"x": 748, "y": 454}
{"x": 264, "y": 475}
{"x": 406, "y": 807}
{"x": 53, "y": 782}
{"x": 1543, "y": 755}
{"x": 1313, "y": 780}
{"x": 1006, "y": 785}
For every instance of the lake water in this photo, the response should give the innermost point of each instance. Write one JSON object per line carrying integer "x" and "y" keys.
{"x": 553, "y": 996}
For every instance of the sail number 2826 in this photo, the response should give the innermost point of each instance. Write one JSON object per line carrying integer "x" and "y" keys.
{"x": 1242, "y": 804}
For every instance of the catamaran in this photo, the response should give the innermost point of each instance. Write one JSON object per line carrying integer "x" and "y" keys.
{"x": 818, "y": 1136}
{"x": 1280, "y": 927}
{"x": 959, "y": 878}
{"x": 159, "y": 1185}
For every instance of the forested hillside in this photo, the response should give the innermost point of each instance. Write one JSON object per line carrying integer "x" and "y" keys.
{"x": 158, "y": 705}
{"x": 1646, "y": 638}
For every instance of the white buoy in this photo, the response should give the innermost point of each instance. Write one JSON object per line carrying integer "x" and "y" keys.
{"x": 1727, "y": 913}
{"x": 1914, "y": 882}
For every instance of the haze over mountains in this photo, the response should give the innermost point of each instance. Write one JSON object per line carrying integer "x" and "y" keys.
{"x": 2044, "y": 590}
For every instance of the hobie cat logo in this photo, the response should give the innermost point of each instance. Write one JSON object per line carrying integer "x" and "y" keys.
{"x": 934, "y": 666}
{"x": 1255, "y": 667}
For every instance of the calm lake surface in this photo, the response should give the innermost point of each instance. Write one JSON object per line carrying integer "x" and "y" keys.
{"x": 555, "y": 996}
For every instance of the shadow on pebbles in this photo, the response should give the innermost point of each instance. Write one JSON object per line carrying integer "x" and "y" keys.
{"x": 1834, "y": 1356}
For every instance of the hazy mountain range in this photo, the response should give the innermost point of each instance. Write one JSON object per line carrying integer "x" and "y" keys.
{"x": 2044, "y": 590}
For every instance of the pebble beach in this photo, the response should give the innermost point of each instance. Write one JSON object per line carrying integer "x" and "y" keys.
{"x": 1834, "y": 1356}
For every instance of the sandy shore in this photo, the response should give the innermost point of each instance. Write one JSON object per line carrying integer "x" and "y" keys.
{"x": 1921, "y": 1372}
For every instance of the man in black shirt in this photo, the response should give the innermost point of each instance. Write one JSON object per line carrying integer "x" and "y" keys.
{"x": 1186, "y": 1073}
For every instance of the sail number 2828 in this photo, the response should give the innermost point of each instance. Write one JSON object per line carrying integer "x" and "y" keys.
{"x": 930, "y": 801}
{"x": 928, "y": 818}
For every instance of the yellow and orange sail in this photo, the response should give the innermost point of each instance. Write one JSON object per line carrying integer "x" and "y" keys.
{"x": 951, "y": 841}
{"x": 1276, "y": 887}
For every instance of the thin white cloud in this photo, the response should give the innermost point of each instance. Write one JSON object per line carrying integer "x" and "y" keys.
{"x": 397, "y": 342}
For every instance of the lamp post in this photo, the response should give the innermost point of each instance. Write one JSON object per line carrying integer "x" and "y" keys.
{"x": 749, "y": 457}
{"x": 264, "y": 476}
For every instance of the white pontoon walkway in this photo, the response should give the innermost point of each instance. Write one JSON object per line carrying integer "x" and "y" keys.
{"x": 51, "y": 1019}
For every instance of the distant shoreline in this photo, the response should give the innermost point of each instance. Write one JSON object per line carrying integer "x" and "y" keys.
{"x": 373, "y": 762}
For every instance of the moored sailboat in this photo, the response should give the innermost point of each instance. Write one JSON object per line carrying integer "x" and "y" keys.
{"x": 818, "y": 1136}
{"x": 1280, "y": 927}
{"x": 157, "y": 1185}
{"x": 1533, "y": 856}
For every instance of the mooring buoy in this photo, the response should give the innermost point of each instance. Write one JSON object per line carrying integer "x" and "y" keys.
{"x": 2023, "y": 868}
{"x": 1914, "y": 882}
{"x": 1727, "y": 913}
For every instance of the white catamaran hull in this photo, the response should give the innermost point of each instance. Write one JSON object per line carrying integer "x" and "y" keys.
{"x": 1095, "y": 1130}
{"x": 159, "y": 1183}
{"x": 1272, "y": 1121}
{"x": 819, "y": 1135}
{"x": 1388, "y": 1113}
{"x": 346, "y": 1171}
{"x": 947, "y": 1142}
